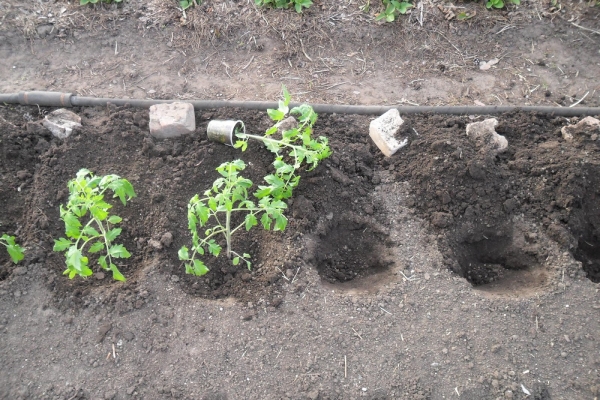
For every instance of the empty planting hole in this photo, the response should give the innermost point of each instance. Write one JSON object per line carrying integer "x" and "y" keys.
{"x": 587, "y": 226}
{"x": 495, "y": 260}
{"x": 588, "y": 252}
{"x": 350, "y": 250}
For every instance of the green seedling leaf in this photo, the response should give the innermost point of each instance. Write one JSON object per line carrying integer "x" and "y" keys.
{"x": 114, "y": 219}
{"x": 118, "y": 251}
{"x": 228, "y": 196}
{"x": 112, "y": 234}
{"x": 280, "y": 222}
{"x": 75, "y": 260}
{"x": 250, "y": 221}
{"x": 116, "y": 273}
{"x": 123, "y": 190}
{"x": 103, "y": 263}
{"x": 286, "y": 96}
{"x": 98, "y": 212}
{"x": 214, "y": 248}
{"x": 183, "y": 253}
{"x": 89, "y": 230}
{"x": 199, "y": 268}
{"x": 241, "y": 144}
{"x": 15, "y": 251}
{"x": 72, "y": 225}
{"x": 275, "y": 115}
{"x": 61, "y": 244}
{"x": 96, "y": 247}
{"x": 86, "y": 203}
{"x": 266, "y": 221}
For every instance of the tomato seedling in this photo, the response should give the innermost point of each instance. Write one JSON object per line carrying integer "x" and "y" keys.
{"x": 216, "y": 211}
{"x": 16, "y": 252}
{"x": 87, "y": 221}
{"x": 296, "y": 145}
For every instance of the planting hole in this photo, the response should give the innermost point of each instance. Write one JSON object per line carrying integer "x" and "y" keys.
{"x": 351, "y": 249}
{"x": 586, "y": 225}
{"x": 500, "y": 261}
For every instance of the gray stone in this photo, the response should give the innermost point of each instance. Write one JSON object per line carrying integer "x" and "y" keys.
{"x": 485, "y": 137}
{"x": 62, "y": 123}
{"x": 172, "y": 120}
{"x": 587, "y": 125}
{"x": 383, "y": 132}
{"x": 287, "y": 124}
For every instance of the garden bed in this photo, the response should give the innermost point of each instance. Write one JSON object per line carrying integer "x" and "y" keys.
{"x": 424, "y": 234}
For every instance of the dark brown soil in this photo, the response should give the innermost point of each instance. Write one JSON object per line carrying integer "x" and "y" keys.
{"x": 438, "y": 273}
{"x": 360, "y": 223}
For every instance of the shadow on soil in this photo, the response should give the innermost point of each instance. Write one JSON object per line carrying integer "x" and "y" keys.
{"x": 501, "y": 260}
{"x": 586, "y": 226}
{"x": 351, "y": 248}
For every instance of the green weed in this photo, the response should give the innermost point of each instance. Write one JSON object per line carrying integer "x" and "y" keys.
{"x": 297, "y": 4}
{"x": 392, "y": 9}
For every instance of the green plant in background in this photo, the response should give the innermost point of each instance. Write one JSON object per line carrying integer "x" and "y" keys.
{"x": 298, "y": 4}
{"x": 86, "y": 199}
{"x": 16, "y": 252}
{"x": 392, "y": 9}
{"x": 185, "y": 4}
{"x": 295, "y": 148}
{"x": 500, "y": 3}
{"x": 216, "y": 211}
{"x": 84, "y": 2}
{"x": 463, "y": 16}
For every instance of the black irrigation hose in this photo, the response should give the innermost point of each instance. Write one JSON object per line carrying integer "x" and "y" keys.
{"x": 57, "y": 99}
